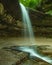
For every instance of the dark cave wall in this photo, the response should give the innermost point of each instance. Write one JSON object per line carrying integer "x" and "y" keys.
{"x": 12, "y": 7}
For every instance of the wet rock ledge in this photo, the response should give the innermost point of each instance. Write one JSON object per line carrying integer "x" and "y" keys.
{"x": 13, "y": 57}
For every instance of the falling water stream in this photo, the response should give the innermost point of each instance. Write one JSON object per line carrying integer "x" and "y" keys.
{"x": 29, "y": 32}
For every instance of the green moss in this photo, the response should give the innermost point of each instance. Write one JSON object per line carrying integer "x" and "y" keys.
{"x": 1, "y": 9}
{"x": 49, "y": 12}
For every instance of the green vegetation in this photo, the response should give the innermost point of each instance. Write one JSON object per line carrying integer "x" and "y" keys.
{"x": 31, "y": 3}
{"x": 40, "y": 5}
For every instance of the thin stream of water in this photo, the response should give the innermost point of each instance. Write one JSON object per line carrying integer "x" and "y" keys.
{"x": 28, "y": 31}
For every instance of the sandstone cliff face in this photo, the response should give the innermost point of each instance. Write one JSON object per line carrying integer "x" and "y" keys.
{"x": 11, "y": 23}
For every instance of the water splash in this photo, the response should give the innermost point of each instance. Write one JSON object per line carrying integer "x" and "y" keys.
{"x": 28, "y": 32}
{"x": 33, "y": 52}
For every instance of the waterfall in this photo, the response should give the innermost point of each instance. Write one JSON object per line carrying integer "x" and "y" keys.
{"x": 28, "y": 32}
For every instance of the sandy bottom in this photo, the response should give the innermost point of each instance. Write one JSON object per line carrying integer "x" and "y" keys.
{"x": 24, "y": 41}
